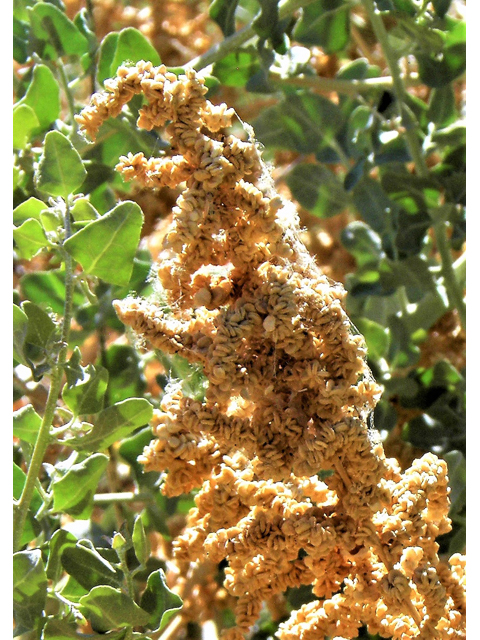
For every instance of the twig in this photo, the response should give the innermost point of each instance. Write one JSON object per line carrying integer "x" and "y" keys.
{"x": 233, "y": 42}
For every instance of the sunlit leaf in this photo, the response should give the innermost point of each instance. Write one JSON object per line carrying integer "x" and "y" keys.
{"x": 127, "y": 46}
{"x": 107, "y": 246}
{"x": 110, "y": 608}
{"x": 60, "y": 170}
{"x": 73, "y": 493}
{"x": 113, "y": 424}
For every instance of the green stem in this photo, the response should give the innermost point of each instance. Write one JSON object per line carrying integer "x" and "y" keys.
{"x": 398, "y": 87}
{"x": 346, "y": 87}
{"x": 43, "y": 437}
{"x": 126, "y": 496}
{"x": 68, "y": 93}
{"x": 233, "y": 42}
{"x": 454, "y": 292}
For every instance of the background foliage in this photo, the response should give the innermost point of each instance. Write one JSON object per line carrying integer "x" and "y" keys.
{"x": 360, "y": 109}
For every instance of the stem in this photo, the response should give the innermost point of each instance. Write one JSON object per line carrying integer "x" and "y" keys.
{"x": 127, "y": 496}
{"x": 398, "y": 87}
{"x": 454, "y": 292}
{"x": 233, "y": 42}
{"x": 68, "y": 93}
{"x": 346, "y": 87}
{"x": 43, "y": 437}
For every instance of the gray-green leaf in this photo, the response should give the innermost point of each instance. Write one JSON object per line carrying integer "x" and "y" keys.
{"x": 26, "y": 423}
{"x": 29, "y": 588}
{"x": 60, "y": 171}
{"x": 160, "y": 602}
{"x": 106, "y": 247}
{"x": 114, "y": 423}
{"x": 73, "y": 494}
{"x": 110, "y": 608}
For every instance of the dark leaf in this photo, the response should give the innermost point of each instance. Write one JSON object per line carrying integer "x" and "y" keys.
{"x": 159, "y": 601}
{"x": 29, "y": 588}
{"x": 223, "y": 12}
{"x": 50, "y": 24}
{"x": 59, "y": 541}
{"x": 317, "y": 189}
{"x": 326, "y": 24}
{"x": 85, "y": 388}
{"x": 305, "y": 123}
{"x": 88, "y": 567}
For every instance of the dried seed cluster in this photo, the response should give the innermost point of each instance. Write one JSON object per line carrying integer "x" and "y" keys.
{"x": 289, "y": 396}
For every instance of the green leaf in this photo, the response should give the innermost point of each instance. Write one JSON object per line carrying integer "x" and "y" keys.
{"x": 106, "y": 247}
{"x": 125, "y": 373}
{"x": 161, "y": 603}
{"x": 60, "y": 171}
{"x": 32, "y": 527}
{"x": 326, "y": 24}
{"x": 439, "y": 71}
{"x": 43, "y": 96}
{"x": 236, "y": 68}
{"x": 127, "y": 46}
{"x": 29, "y": 588}
{"x": 62, "y": 630}
{"x": 317, "y": 189}
{"x": 29, "y": 238}
{"x": 140, "y": 541}
{"x": 110, "y": 608}
{"x": 441, "y": 108}
{"x": 267, "y": 24}
{"x": 114, "y": 423}
{"x": 59, "y": 541}
{"x": 83, "y": 210}
{"x": 73, "y": 494}
{"x": 303, "y": 122}
{"x": 40, "y": 325}
{"x": 26, "y": 423}
{"x": 47, "y": 288}
{"x": 25, "y": 123}
{"x": 376, "y": 337}
{"x": 441, "y": 7}
{"x": 373, "y": 204}
{"x": 61, "y": 36}
{"x": 223, "y": 12}
{"x": 30, "y": 208}
{"x": 20, "y": 328}
{"x": 87, "y": 566}
{"x": 363, "y": 243}
{"x": 85, "y": 388}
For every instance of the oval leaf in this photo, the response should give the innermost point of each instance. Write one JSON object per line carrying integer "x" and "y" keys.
{"x": 114, "y": 423}
{"x": 73, "y": 494}
{"x": 60, "y": 171}
{"x": 106, "y": 247}
{"x": 110, "y": 608}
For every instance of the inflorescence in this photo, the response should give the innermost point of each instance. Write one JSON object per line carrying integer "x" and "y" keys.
{"x": 293, "y": 487}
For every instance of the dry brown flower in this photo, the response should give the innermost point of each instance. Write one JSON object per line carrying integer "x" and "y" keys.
{"x": 288, "y": 400}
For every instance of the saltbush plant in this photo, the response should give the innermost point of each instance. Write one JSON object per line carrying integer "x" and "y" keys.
{"x": 358, "y": 108}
